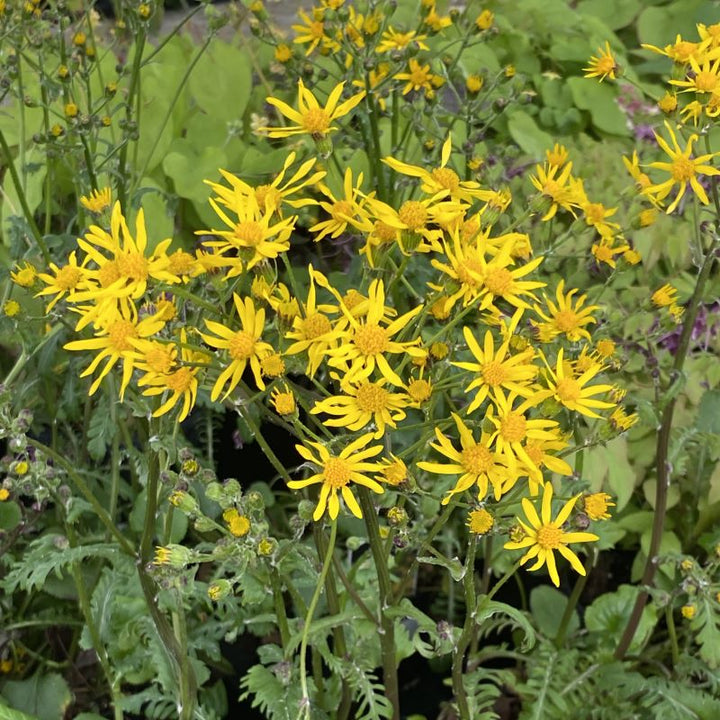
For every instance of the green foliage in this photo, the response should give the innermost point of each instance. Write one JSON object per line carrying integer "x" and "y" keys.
{"x": 45, "y": 697}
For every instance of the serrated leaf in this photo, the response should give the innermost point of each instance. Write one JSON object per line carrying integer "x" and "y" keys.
{"x": 100, "y": 429}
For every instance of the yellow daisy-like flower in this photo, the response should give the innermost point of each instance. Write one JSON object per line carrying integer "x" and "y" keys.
{"x": 348, "y": 209}
{"x": 476, "y": 462}
{"x": 114, "y": 340}
{"x": 543, "y": 536}
{"x": 602, "y": 66}
{"x": 497, "y": 371}
{"x": 565, "y": 317}
{"x": 313, "y": 32}
{"x": 11, "y": 308}
{"x": 180, "y": 382}
{"x": 418, "y": 77}
{"x": 683, "y": 170}
{"x": 605, "y": 251}
{"x": 362, "y": 403}
{"x": 310, "y": 117}
{"x": 393, "y": 471}
{"x": 244, "y": 346}
{"x": 366, "y": 341}
{"x": 283, "y": 400}
{"x": 441, "y": 180}
{"x": 272, "y": 196}
{"x": 480, "y": 522}
{"x": 681, "y": 50}
{"x": 238, "y": 524}
{"x": 253, "y": 237}
{"x": 24, "y": 276}
{"x": 337, "y": 472}
{"x": 558, "y": 156}
{"x": 97, "y": 201}
{"x": 596, "y": 506}
{"x": 664, "y": 296}
{"x": 571, "y": 391}
{"x": 552, "y": 182}
{"x": 394, "y": 40}
{"x": 632, "y": 165}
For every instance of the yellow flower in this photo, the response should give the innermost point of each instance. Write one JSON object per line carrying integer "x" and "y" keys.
{"x": 310, "y": 117}
{"x": 497, "y": 371}
{"x": 436, "y": 22}
{"x": 647, "y": 217}
{"x": 480, "y": 522}
{"x": 366, "y": 341}
{"x": 337, "y": 472}
{"x": 632, "y": 256}
{"x": 558, "y": 156}
{"x": 63, "y": 280}
{"x": 349, "y": 209}
{"x": 632, "y": 165}
{"x": 24, "y": 276}
{"x": 4, "y": 495}
{"x": 272, "y": 365}
{"x": 283, "y": 401}
{"x": 701, "y": 78}
{"x": 239, "y": 525}
{"x": 393, "y": 40}
{"x": 664, "y": 296}
{"x": 21, "y": 468}
{"x": 283, "y": 53}
{"x": 11, "y": 308}
{"x": 180, "y": 382}
{"x": 476, "y": 462}
{"x": 668, "y": 103}
{"x": 565, "y": 317}
{"x": 393, "y": 471}
{"x": 419, "y": 390}
{"x": 362, "y": 403}
{"x": 555, "y": 188}
{"x": 485, "y": 20}
{"x": 571, "y": 392}
{"x": 114, "y": 336}
{"x": 97, "y": 200}
{"x": 681, "y": 50}
{"x": 71, "y": 110}
{"x": 605, "y": 251}
{"x": 244, "y": 346}
{"x": 543, "y": 536}
{"x": 596, "y": 506}
{"x": 683, "y": 170}
{"x": 313, "y": 32}
{"x": 621, "y": 420}
{"x": 418, "y": 77}
{"x": 602, "y": 66}
{"x": 688, "y": 611}
{"x": 474, "y": 84}
{"x": 605, "y": 348}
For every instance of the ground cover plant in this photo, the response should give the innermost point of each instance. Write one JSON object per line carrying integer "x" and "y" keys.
{"x": 362, "y": 370}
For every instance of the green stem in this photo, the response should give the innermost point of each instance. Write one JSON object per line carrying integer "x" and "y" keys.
{"x": 387, "y": 634}
{"x": 279, "y": 603}
{"x": 34, "y": 229}
{"x": 467, "y": 632}
{"x": 670, "y": 622}
{"x": 572, "y": 604}
{"x": 87, "y": 493}
{"x": 662, "y": 465}
{"x": 305, "y": 702}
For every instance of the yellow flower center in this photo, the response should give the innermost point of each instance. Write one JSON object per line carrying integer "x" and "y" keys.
{"x": 384, "y": 232}
{"x": 513, "y": 427}
{"x": 181, "y": 262}
{"x": 118, "y": 334}
{"x": 316, "y": 29}
{"x": 445, "y": 177}
{"x": 470, "y": 271}
{"x": 337, "y": 472}
{"x": 413, "y": 214}
{"x": 316, "y": 121}
{"x": 267, "y": 196}
{"x": 68, "y": 277}
{"x": 249, "y": 233}
{"x": 395, "y": 473}
{"x": 159, "y": 358}
{"x": 480, "y": 521}
{"x": 682, "y": 169}
{"x": 180, "y": 380}
{"x": 681, "y": 51}
{"x": 371, "y": 397}
{"x": 595, "y": 213}
{"x": 605, "y": 64}
{"x": 469, "y": 229}
{"x": 596, "y": 506}
{"x": 341, "y": 211}
{"x": 603, "y": 253}
{"x": 477, "y": 459}
{"x": 241, "y": 346}
{"x": 352, "y": 299}
{"x": 499, "y": 282}
{"x": 494, "y": 373}
{"x": 419, "y": 390}
{"x": 316, "y": 325}
{"x": 568, "y": 390}
{"x": 419, "y": 75}
{"x": 272, "y": 365}
{"x": 109, "y": 273}
{"x": 706, "y": 81}
{"x": 133, "y": 266}
{"x": 549, "y": 537}
{"x": 285, "y": 403}
{"x": 535, "y": 452}
{"x": 370, "y": 339}
{"x": 566, "y": 320}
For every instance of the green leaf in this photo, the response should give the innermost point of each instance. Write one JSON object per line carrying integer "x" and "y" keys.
{"x": 615, "y": 14}
{"x": 220, "y": 83}
{"x": 7, "y": 713}
{"x": 45, "y": 696}
{"x": 706, "y": 624}
{"x": 607, "y": 616}
{"x": 599, "y": 100}
{"x": 33, "y": 188}
{"x": 455, "y": 567}
{"x": 708, "y": 417}
{"x": 547, "y": 605}
{"x": 487, "y": 608}
{"x": 100, "y": 429}
{"x": 610, "y": 465}
{"x": 10, "y": 515}
{"x": 525, "y": 132}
